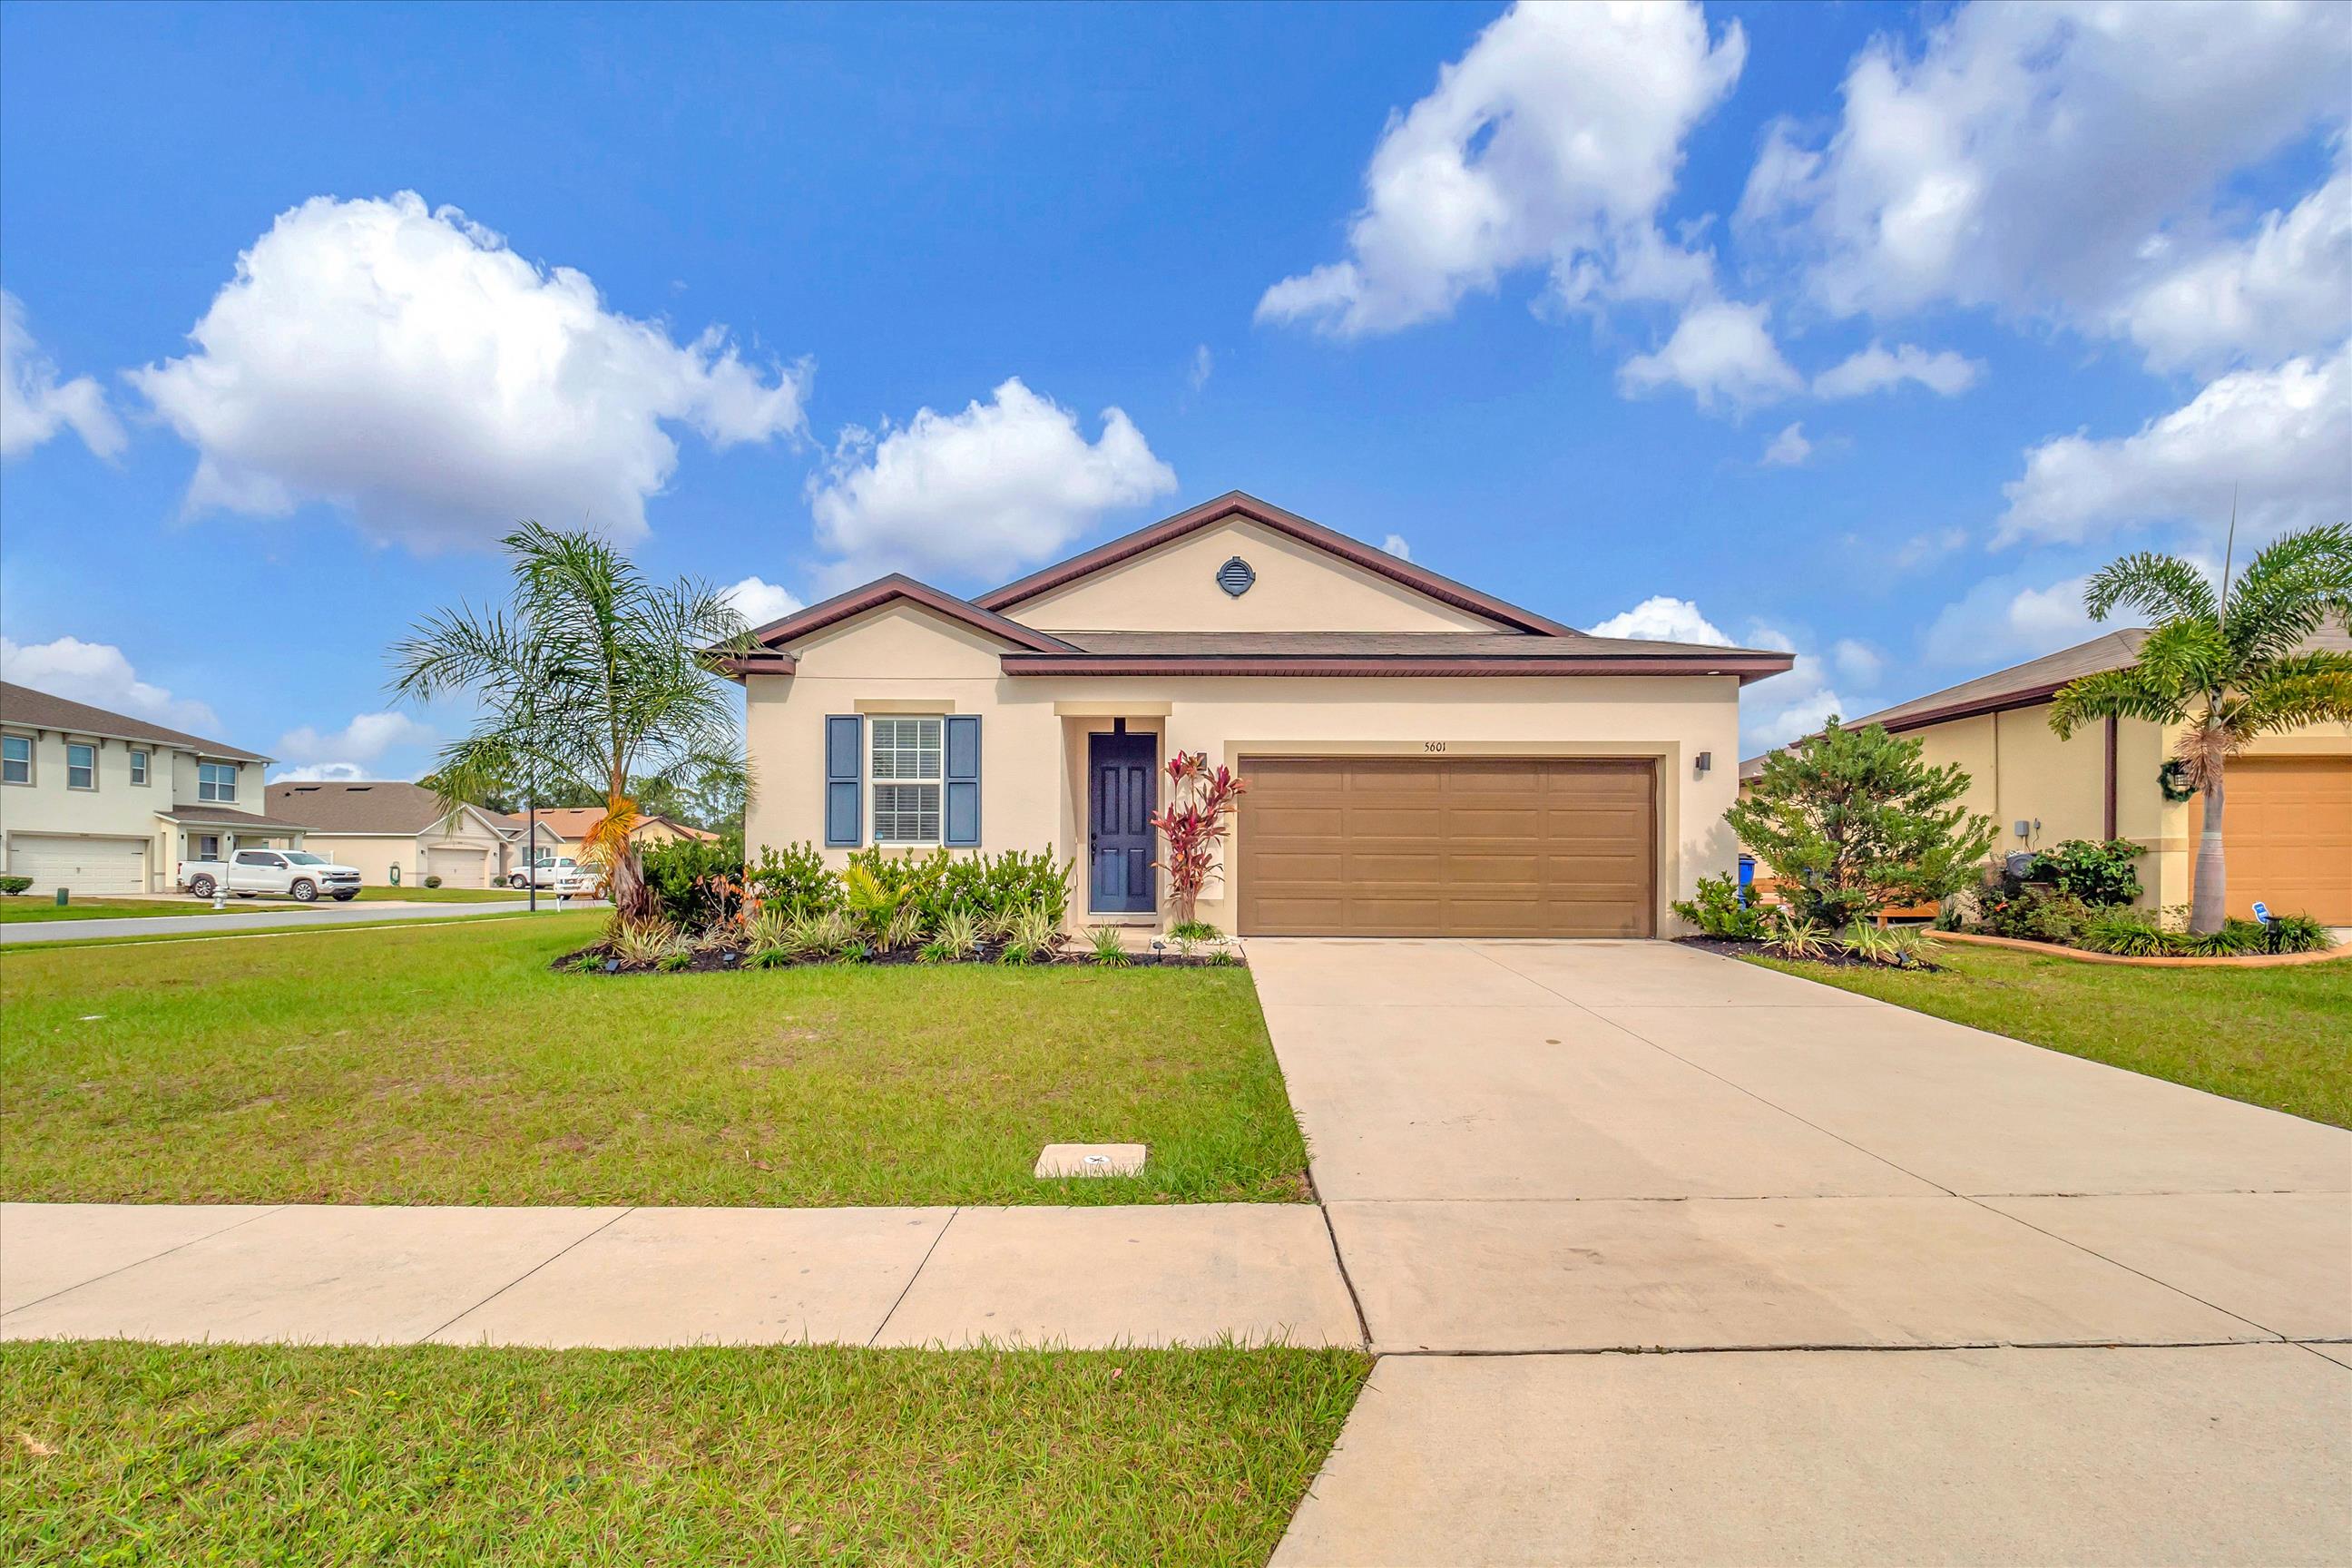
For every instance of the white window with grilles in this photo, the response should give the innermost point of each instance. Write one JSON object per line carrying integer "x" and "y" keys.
{"x": 906, "y": 773}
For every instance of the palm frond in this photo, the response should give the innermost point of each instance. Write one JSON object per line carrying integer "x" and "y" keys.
{"x": 2129, "y": 693}
{"x": 2162, "y": 587}
{"x": 2311, "y": 689}
{"x": 2296, "y": 585}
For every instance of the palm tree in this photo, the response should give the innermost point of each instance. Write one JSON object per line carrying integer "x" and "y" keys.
{"x": 589, "y": 678}
{"x": 2234, "y": 665}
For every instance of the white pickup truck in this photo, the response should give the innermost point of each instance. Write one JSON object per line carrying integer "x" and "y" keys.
{"x": 566, "y": 876}
{"x": 294, "y": 874}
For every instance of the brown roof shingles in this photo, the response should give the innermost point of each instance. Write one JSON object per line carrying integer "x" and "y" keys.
{"x": 373, "y": 806}
{"x": 33, "y": 709}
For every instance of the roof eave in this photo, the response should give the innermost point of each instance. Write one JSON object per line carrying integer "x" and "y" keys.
{"x": 894, "y": 587}
{"x": 1745, "y": 666}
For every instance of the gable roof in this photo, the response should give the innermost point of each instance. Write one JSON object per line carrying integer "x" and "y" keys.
{"x": 39, "y": 711}
{"x": 391, "y": 806}
{"x": 882, "y": 591}
{"x": 1238, "y": 504}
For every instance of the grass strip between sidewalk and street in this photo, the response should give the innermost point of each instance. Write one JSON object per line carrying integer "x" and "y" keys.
{"x": 2269, "y": 1037}
{"x": 120, "y": 1452}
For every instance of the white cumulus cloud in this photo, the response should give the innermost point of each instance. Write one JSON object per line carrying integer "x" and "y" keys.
{"x": 2005, "y": 620}
{"x": 35, "y": 404}
{"x": 1722, "y": 352}
{"x": 1396, "y": 545}
{"x": 1663, "y": 618}
{"x": 102, "y": 676}
{"x": 2283, "y": 289}
{"x": 1789, "y": 449}
{"x": 367, "y": 737}
{"x": 1877, "y": 369}
{"x": 980, "y": 492}
{"x": 1553, "y": 140}
{"x": 2042, "y": 159}
{"x": 323, "y": 773}
{"x": 759, "y": 601}
{"x": 1204, "y": 365}
{"x": 401, "y": 363}
{"x": 2280, "y": 440}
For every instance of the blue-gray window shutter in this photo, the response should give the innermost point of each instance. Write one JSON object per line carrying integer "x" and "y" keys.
{"x": 963, "y": 780}
{"x": 845, "y": 783}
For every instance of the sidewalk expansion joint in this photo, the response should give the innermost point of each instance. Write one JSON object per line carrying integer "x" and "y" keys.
{"x": 598, "y": 1230}
{"x": 900, "y": 1298}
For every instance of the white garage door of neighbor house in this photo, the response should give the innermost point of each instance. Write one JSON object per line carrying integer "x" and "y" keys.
{"x": 457, "y": 867}
{"x": 84, "y": 865}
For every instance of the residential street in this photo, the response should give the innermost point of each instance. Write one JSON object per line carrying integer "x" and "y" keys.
{"x": 270, "y": 916}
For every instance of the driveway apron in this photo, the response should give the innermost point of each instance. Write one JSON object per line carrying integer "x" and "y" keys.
{"x": 1539, "y": 1158}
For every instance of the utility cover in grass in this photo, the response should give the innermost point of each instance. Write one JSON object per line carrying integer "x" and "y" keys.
{"x": 1090, "y": 1160}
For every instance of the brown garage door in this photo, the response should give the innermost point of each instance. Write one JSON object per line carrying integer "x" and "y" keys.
{"x": 2287, "y": 832}
{"x": 1451, "y": 847}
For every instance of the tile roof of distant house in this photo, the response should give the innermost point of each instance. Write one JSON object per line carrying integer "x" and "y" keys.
{"x": 39, "y": 711}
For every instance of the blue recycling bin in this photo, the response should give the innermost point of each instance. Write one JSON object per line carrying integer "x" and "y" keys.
{"x": 1746, "y": 878}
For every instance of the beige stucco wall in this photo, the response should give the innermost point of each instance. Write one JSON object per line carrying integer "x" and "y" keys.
{"x": 2019, "y": 769}
{"x": 903, "y": 659}
{"x": 373, "y": 855}
{"x": 116, "y": 808}
{"x": 1299, "y": 588}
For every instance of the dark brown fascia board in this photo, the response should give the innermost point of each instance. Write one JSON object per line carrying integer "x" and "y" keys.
{"x": 758, "y": 664}
{"x": 1243, "y": 504}
{"x": 899, "y": 585}
{"x": 1974, "y": 708}
{"x": 1748, "y": 667}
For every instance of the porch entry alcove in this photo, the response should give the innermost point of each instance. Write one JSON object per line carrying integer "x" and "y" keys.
{"x": 1122, "y": 790}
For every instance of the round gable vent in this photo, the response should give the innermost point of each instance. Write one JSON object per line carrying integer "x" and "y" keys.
{"x": 1235, "y": 576}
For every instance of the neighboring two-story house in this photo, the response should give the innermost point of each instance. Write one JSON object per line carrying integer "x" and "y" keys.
{"x": 104, "y": 803}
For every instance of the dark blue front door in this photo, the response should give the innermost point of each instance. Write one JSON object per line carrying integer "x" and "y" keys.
{"x": 1123, "y": 776}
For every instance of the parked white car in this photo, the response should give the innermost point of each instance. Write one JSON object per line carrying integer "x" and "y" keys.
{"x": 294, "y": 874}
{"x": 562, "y": 875}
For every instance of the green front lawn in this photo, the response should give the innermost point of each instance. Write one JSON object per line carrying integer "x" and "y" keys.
{"x": 2269, "y": 1037}
{"x": 125, "y": 1453}
{"x": 445, "y": 1064}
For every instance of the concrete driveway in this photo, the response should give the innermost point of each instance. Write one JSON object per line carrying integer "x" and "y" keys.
{"x": 2124, "y": 1304}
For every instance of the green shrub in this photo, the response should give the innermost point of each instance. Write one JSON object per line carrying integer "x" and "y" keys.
{"x": 2033, "y": 916}
{"x": 1108, "y": 950}
{"x": 645, "y": 942}
{"x": 2129, "y": 933}
{"x": 1911, "y": 947}
{"x": 12, "y": 886}
{"x": 1868, "y": 943}
{"x": 2234, "y": 939}
{"x": 1195, "y": 930}
{"x": 1717, "y": 912}
{"x": 432, "y": 881}
{"x": 796, "y": 880}
{"x": 2098, "y": 874}
{"x": 2300, "y": 933}
{"x": 680, "y": 874}
{"x": 1796, "y": 936}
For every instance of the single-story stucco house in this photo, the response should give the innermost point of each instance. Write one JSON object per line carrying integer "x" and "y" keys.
{"x": 98, "y": 802}
{"x": 378, "y": 825}
{"x": 1423, "y": 758}
{"x": 2287, "y": 831}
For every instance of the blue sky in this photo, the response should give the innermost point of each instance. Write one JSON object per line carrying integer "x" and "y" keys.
{"x": 1861, "y": 330}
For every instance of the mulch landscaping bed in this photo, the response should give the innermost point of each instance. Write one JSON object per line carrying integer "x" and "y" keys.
{"x": 1729, "y": 948}
{"x": 720, "y": 960}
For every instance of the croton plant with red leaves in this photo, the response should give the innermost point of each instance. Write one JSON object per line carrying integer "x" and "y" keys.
{"x": 1193, "y": 825}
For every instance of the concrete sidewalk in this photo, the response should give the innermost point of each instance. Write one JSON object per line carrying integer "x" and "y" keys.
{"x": 1126, "y": 1274}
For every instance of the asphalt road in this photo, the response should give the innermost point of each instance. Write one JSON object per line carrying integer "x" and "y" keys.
{"x": 268, "y": 918}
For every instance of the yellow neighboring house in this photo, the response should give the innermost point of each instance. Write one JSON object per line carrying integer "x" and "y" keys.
{"x": 1423, "y": 758}
{"x": 2288, "y": 828}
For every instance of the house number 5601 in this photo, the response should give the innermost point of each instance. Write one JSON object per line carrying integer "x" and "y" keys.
{"x": 1433, "y": 745}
